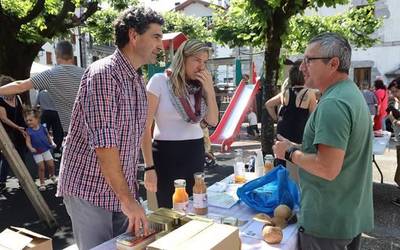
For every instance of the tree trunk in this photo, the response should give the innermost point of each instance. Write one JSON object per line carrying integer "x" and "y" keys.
{"x": 275, "y": 29}
{"x": 16, "y": 59}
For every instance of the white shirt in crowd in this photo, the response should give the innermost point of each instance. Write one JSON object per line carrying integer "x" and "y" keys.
{"x": 252, "y": 118}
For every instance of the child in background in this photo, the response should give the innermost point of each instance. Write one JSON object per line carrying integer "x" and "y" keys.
{"x": 39, "y": 143}
{"x": 252, "y": 129}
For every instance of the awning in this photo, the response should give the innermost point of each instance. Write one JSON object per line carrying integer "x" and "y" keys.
{"x": 393, "y": 73}
{"x": 176, "y": 39}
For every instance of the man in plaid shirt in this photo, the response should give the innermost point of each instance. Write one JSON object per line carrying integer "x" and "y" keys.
{"x": 98, "y": 170}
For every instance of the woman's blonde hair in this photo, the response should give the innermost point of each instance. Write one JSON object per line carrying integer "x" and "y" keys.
{"x": 178, "y": 76}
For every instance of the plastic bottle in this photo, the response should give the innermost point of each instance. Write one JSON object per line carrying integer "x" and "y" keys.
{"x": 200, "y": 203}
{"x": 180, "y": 198}
{"x": 259, "y": 165}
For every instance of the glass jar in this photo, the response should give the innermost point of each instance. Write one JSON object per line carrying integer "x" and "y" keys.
{"x": 200, "y": 203}
{"x": 239, "y": 168}
{"x": 180, "y": 198}
{"x": 268, "y": 163}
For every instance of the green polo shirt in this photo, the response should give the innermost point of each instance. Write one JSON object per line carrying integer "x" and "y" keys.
{"x": 341, "y": 208}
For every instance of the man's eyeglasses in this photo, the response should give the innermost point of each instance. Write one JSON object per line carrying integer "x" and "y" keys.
{"x": 307, "y": 60}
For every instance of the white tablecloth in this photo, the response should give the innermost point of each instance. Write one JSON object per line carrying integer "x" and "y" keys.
{"x": 380, "y": 143}
{"x": 243, "y": 213}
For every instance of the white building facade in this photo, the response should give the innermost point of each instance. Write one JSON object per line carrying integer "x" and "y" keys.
{"x": 383, "y": 59}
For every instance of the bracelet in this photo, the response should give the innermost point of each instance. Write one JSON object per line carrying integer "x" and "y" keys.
{"x": 289, "y": 153}
{"x": 149, "y": 168}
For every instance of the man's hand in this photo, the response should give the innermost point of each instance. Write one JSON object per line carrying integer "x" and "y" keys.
{"x": 280, "y": 147}
{"x": 136, "y": 216}
{"x": 150, "y": 180}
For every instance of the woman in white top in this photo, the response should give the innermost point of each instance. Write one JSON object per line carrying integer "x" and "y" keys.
{"x": 180, "y": 100}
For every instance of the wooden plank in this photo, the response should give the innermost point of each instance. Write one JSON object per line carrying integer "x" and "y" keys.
{"x": 25, "y": 179}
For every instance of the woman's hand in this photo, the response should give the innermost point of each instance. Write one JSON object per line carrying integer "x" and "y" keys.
{"x": 150, "y": 180}
{"x": 206, "y": 81}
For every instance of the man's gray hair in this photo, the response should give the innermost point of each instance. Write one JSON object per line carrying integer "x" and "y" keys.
{"x": 334, "y": 45}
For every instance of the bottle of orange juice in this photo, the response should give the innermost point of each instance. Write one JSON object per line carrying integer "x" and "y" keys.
{"x": 200, "y": 203}
{"x": 180, "y": 199}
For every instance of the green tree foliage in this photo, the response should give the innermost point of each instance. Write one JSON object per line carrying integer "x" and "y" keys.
{"x": 276, "y": 24}
{"x": 356, "y": 24}
{"x": 27, "y": 24}
{"x": 193, "y": 27}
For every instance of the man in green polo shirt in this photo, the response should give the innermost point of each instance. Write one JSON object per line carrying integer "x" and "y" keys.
{"x": 336, "y": 154}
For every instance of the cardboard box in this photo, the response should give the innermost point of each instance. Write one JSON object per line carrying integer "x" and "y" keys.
{"x": 23, "y": 239}
{"x": 200, "y": 235}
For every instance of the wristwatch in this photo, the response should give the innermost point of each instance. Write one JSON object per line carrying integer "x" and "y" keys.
{"x": 289, "y": 153}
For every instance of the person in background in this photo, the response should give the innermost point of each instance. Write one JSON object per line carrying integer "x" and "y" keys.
{"x": 61, "y": 82}
{"x": 252, "y": 129}
{"x": 296, "y": 103}
{"x": 370, "y": 99}
{"x": 12, "y": 119}
{"x": 246, "y": 78}
{"x": 382, "y": 96}
{"x": 40, "y": 143}
{"x": 394, "y": 117}
{"x": 49, "y": 117}
{"x": 181, "y": 101}
{"x": 335, "y": 158}
{"x": 98, "y": 173}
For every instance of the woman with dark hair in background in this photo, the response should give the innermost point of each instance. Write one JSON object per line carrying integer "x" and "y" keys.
{"x": 13, "y": 121}
{"x": 296, "y": 102}
{"x": 382, "y": 96}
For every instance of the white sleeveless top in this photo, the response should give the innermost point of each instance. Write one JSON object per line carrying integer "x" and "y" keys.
{"x": 169, "y": 125}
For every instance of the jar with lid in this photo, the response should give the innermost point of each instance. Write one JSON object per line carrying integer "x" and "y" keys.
{"x": 200, "y": 203}
{"x": 180, "y": 198}
{"x": 268, "y": 163}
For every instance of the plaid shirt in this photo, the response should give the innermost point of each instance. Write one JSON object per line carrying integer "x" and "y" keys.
{"x": 110, "y": 111}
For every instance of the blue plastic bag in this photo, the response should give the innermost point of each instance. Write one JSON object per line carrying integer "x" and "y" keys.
{"x": 265, "y": 193}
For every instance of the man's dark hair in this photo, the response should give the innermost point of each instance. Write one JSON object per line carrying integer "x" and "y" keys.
{"x": 64, "y": 50}
{"x": 138, "y": 19}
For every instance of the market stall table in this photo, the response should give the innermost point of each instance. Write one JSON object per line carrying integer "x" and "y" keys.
{"x": 249, "y": 230}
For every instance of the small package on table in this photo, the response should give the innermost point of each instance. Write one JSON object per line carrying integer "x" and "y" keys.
{"x": 18, "y": 238}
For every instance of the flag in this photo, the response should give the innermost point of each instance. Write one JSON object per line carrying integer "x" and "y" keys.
{"x": 254, "y": 79}
{"x": 238, "y": 70}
